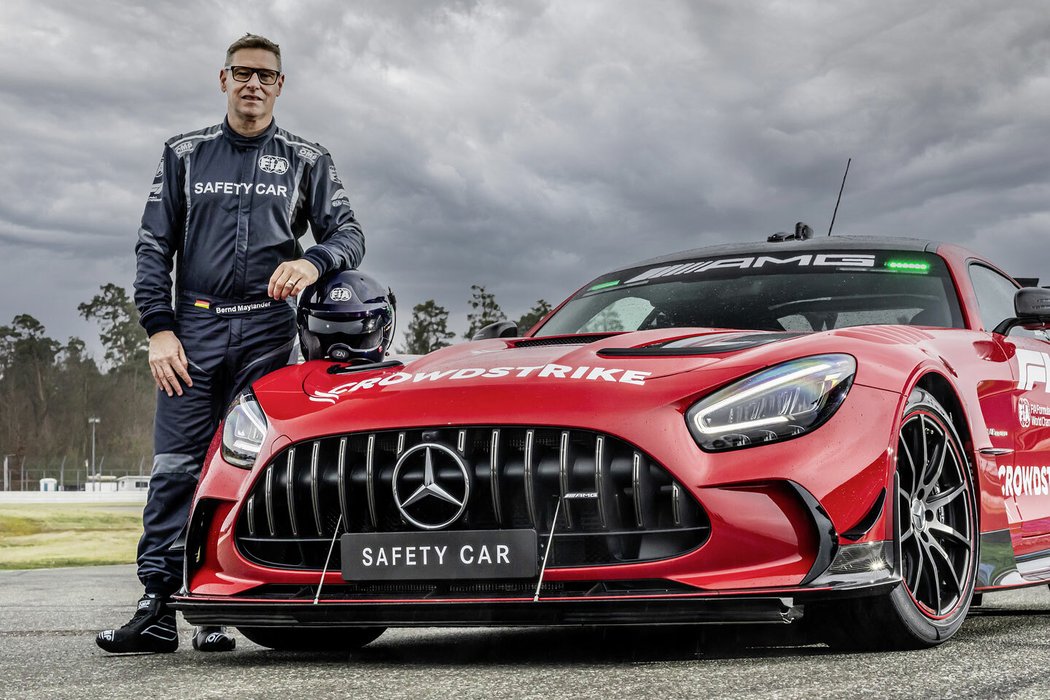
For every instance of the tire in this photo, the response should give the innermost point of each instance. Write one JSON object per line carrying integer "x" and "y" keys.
{"x": 316, "y": 639}
{"x": 939, "y": 540}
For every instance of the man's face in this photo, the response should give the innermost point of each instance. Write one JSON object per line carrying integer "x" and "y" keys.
{"x": 251, "y": 101}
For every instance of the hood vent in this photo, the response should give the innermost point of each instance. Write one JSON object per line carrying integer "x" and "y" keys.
{"x": 716, "y": 344}
{"x": 561, "y": 340}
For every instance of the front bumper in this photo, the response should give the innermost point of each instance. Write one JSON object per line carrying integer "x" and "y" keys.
{"x": 775, "y": 511}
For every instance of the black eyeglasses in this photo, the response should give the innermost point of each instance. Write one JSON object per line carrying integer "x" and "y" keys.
{"x": 243, "y": 74}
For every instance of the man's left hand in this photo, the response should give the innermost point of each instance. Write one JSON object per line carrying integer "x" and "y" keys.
{"x": 290, "y": 278}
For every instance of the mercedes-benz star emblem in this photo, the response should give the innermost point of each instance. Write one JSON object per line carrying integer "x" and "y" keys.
{"x": 436, "y": 498}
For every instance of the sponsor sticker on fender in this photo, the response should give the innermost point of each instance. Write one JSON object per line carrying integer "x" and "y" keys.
{"x": 1032, "y": 414}
{"x": 550, "y": 371}
{"x": 1024, "y": 481}
{"x": 1032, "y": 368}
{"x": 1024, "y": 413}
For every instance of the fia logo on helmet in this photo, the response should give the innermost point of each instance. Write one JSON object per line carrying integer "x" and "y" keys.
{"x": 340, "y": 294}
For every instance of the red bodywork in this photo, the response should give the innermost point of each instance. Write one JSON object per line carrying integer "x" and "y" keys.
{"x": 764, "y": 537}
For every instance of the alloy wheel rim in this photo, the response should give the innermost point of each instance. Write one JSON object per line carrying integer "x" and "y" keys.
{"x": 936, "y": 515}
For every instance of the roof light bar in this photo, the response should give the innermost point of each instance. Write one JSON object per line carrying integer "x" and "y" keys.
{"x": 908, "y": 265}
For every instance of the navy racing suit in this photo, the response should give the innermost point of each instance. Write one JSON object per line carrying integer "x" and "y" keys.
{"x": 228, "y": 209}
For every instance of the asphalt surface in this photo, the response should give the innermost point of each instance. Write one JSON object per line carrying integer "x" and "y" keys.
{"x": 48, "y": 620}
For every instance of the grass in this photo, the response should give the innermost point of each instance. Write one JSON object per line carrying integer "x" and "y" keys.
{"x": 39, "y": 536}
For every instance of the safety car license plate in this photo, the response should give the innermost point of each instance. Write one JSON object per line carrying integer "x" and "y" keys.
{"x": 401, "y": 556}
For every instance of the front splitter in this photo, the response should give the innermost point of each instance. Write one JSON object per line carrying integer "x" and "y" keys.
{"x": 518, "y": 612}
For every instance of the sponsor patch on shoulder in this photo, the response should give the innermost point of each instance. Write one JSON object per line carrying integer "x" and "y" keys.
{"x": 309, "y": 155}
{"x": 184, "y": 148}
{"x": 333, "y": 175}
{"x": 154, "y": 192}
{"x": 340, "y": 198}
{"x": 273, "y": 164}
{"x": 160, "y": 168}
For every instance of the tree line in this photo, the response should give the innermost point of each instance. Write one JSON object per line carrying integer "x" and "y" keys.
{"x": 428, "y": 328}
{"x": 49, "y": 389}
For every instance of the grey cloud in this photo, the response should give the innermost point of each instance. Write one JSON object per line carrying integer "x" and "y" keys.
{"x": 530, "y": 146}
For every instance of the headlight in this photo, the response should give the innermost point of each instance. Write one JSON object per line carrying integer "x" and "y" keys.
{"x": 778, "y": 403}
{"x": 243, "y": 432}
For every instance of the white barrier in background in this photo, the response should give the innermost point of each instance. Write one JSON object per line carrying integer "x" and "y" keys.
{"x": 73, "y": 497}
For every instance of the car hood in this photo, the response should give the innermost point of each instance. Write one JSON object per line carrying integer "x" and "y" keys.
{"x": 519, "y": 381}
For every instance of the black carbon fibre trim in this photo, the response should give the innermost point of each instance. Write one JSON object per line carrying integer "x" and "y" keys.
{"x": 646, "y": 611}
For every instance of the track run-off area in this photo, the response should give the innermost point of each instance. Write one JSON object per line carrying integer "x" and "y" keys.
{"x": 48, "y": 620}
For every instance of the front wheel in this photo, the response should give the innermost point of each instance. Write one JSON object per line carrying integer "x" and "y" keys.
{"x": 316, "y": 639}
{"x": 937, "y": 524}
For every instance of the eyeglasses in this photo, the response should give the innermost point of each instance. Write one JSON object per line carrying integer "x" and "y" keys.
{"x": 243, "y": 74}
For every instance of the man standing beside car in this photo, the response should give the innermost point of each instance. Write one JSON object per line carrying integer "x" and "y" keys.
{"x": 228, "y": 204}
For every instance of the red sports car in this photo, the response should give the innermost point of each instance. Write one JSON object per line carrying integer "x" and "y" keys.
{"x": 847, "y": 432}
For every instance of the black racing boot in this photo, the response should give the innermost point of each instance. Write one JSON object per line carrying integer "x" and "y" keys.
{"x": 213, "y": 639}
{"x": 151, "y": 629}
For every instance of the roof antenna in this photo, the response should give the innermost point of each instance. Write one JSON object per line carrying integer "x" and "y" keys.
{"x": 841, "y": 187}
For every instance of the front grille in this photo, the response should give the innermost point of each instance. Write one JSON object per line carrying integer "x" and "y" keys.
{"x": 635, "y": 511}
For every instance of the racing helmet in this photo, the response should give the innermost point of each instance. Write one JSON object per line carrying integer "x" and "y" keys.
{"x": 346, "y": 317}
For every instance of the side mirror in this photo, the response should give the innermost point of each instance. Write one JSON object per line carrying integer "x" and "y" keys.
{"x": 1031, "y": 310}
{"x": 499, "y": 329}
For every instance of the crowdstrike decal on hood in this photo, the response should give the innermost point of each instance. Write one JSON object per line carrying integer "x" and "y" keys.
{"x": 618, "y": 376}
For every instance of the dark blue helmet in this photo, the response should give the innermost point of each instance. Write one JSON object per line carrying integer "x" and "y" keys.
{"x": 347, "y": 317}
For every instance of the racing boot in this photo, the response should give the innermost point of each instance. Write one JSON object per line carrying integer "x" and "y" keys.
{"x": 213, "y": 639}
{"x": 151, "y": 629}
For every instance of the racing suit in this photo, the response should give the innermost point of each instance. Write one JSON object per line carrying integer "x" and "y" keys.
{"x": 228, "y": 209}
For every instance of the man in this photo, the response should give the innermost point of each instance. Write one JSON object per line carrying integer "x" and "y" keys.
{"x": 229, "y": 204}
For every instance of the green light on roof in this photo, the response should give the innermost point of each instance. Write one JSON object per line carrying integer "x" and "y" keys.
{"x": 908, "y": 265}
{"x": 603, "y": 285}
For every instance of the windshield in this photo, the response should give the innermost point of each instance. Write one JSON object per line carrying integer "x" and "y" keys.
{"x": 786, "y": 292}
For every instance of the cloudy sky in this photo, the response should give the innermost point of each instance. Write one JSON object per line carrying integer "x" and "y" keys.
{"x": 528, "y": 145}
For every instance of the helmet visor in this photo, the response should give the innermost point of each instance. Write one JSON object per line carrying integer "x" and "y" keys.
{"x": 358, "y": 334}
{"x": 360, "y": 326}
